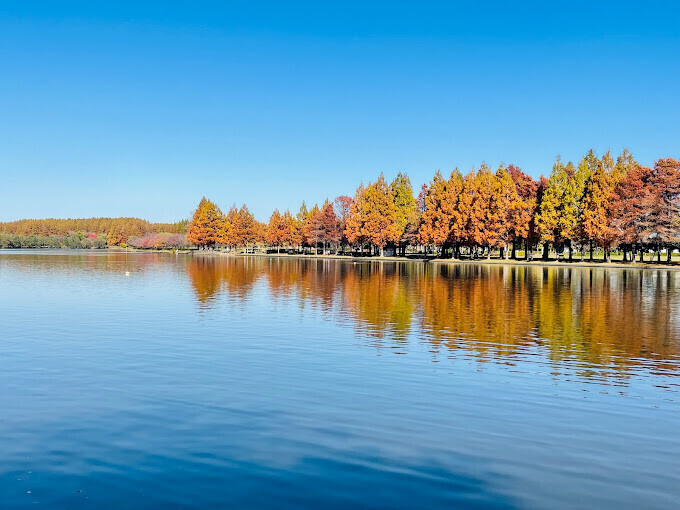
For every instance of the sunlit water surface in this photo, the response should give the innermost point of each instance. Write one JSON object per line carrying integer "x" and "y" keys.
{"x": 154, "y": 380}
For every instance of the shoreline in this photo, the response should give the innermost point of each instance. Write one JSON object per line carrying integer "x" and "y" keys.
{"x": 674, "y": 266}
{"x": 537, "y": 262}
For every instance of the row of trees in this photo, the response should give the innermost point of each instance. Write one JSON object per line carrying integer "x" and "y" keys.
{"x": 90, "y": 240}
{"x": 159, "y": 241}
{"x": 116, "y": 230}
{"x": 210, "y": 226}
{"x": 606, "y": 203}
{"x": 75, "y": 240}
{"x": 597, "y": 203}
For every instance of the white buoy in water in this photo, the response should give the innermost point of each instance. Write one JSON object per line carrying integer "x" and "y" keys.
{"x": 127, "y": 273}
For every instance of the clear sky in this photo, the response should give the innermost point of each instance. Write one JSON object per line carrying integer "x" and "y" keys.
{"x": 140, "y": 108}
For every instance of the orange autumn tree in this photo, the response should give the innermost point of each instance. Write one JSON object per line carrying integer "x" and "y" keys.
{"x": 324, "y": 226}
{"x": 485, "y": 224}
{"x": 353, "y": 224}
{"x": 508, "y": 207}
{"x": 373, "y": 216}
{"x": 523, "y": 210}
{"x": 435, "y": 222}
{"x": 442, "y": 218}
{"x": 595, "y": 217}
{"x": 244, "y": 228}
{"x": 208, "y": 226}
{"x": 310, "y": 233}
{"x": 329, "y": 222}
{"x": 380, "y": 216}
{"x": 458, "y": 209}
{"x": 287, "y": 229}
{"x": 295, "y": 222}
{"x": 276, "y": 233}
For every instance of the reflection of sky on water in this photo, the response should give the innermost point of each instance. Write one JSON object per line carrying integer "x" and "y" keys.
{"x": 154, "y": 380}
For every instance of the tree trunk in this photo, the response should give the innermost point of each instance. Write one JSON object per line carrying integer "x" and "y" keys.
{"x": 571, "y": 253}
{"x": 591, "y": 251}
{"x": 608, "y": 255}
{"x": 546, "y": 253}
{"x": 382, "y": 251}
{"x": 669, "y": 254}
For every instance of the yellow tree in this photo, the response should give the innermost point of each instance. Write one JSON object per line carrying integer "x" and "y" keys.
{"x": 595, "y": 218}
{"x": 572, "y": 191}
{"x": 405, "y": 205}
{"x": 548, "y": 218}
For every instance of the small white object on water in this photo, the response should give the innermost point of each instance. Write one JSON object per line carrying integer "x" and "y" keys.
{"x": 127, "y": 273}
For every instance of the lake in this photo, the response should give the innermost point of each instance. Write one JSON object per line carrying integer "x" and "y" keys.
{"x": 155, "y": 380}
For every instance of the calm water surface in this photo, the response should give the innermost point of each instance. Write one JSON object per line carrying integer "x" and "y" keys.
{"x": 152, "y": 380}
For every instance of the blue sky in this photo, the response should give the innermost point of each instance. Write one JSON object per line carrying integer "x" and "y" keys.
{"x": 139, "y": 110}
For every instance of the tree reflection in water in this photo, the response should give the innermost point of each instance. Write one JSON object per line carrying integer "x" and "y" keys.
{"x": 602, "y": 321}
